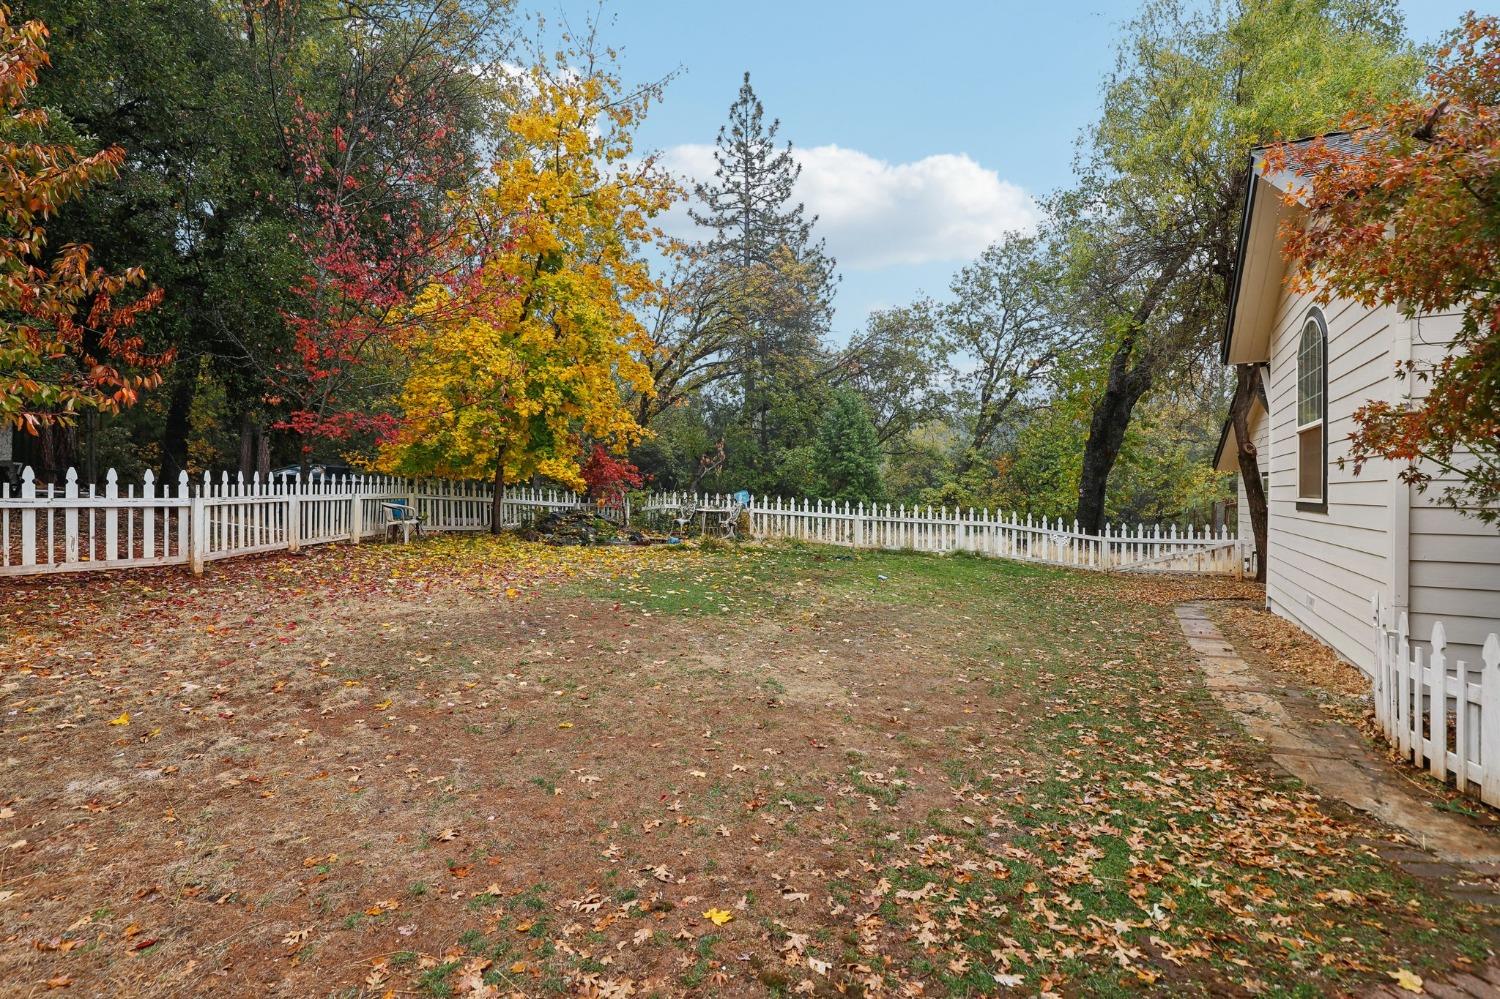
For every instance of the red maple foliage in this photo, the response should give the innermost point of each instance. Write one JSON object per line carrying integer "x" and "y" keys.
{"x": 609, "y": 478}
{"x": 1407, "y": 214}
{"x": 379, "y": 172}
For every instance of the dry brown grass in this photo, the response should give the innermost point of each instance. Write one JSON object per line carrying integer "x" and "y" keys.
{"x": 475, "y": 765}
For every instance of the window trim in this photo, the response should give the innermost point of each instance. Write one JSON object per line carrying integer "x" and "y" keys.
{"x": 1314, "y": 315}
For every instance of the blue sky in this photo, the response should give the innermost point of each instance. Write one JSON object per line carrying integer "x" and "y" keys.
{"x": 925, "y": 129}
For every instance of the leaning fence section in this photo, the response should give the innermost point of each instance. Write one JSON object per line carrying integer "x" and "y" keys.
{"x": 1441, "y": 713}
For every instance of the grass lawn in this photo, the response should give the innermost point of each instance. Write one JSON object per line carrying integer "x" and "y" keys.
{"x": 477, "y": 766}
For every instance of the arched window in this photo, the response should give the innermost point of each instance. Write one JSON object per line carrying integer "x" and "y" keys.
{"x": 1312, "y": 413}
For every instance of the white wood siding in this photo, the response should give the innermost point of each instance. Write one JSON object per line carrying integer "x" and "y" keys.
{"x": 1325, "y": 566}
{"x": 1455, "y": 560}
{"x": 1378, "y": 535}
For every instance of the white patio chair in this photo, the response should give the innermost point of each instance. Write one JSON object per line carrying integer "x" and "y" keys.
{"x": 400, "y": 516}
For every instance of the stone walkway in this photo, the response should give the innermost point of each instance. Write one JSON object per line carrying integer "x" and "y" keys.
{"x": 1337, "y": 762}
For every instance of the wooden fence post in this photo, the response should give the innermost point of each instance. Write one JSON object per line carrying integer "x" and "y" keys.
{"x": 70, "y": 517}
{"x": 1379, "y": 681}
{"x": 1489, "y": 721}
{"x": 1437, "y": 707}
{"x": 197, "y": 514}
{"x": 28, "y": 517}
{"x": 356, "y": 513}
{"x": 294, "y": 515}
{"x": 1402, "y": 712}
{"x": 1437, "y": 664}
{"x": 111, "y": 519}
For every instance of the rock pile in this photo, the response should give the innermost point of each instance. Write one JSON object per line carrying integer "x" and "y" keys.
{"x": 576, "y": 527}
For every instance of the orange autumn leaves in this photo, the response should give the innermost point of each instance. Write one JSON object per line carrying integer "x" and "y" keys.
{"x": 66, "y": 344}
{"x": 1403, "y": 213}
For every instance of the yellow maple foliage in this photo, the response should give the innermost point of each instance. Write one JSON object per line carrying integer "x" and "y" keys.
{"x": 515, "y": 386}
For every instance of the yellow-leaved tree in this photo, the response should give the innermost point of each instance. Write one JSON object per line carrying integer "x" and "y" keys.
{"x": 519, "y": 383}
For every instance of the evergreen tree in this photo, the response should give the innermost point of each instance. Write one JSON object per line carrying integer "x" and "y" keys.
{"x": 848, "y": 450}
{"x": 784, "y": 282}
{"x": 749, "y": 203}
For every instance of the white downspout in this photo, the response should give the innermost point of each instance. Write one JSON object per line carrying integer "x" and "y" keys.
{"x": 1398, "y": 574}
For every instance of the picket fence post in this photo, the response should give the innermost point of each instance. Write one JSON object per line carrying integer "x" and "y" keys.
{"x": 356, "y": 515}
{"x": 294, "y": 515}
{"x": 1489, "y": 721}
{"x": 1437, "y": 663}
{"x": 1437, "y": 687}
{"x": 1381, "y": 681}
{"x": 197, "y": 527}
{"x": 28, "y": 517}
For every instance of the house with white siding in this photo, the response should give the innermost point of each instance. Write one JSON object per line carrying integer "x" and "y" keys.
{"x": 1336, "y": 538}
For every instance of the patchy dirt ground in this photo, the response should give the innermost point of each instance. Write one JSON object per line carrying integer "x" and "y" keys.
{"x": 475, "y": 766}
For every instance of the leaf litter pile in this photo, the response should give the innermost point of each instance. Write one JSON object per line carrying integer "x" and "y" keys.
{"x": 478, "y": 767}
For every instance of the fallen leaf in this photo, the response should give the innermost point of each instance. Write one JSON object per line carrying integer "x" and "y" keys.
{"x": 1406, "y": 980}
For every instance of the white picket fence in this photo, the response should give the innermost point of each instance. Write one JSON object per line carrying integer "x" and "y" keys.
{"x": 1145, "y": 548}
{"x": 66, "y": 528}
{"x": 69, "y": 528}
{"x": 1442, "y": 714}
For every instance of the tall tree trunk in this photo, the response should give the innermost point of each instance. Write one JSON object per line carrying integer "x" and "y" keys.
{"x": 1130, "y": 378}
{"x": 56, "y": 447}
{"x": 247, "y": 444}
{"x": 174, "y": 431}
{"x": 263, "y": 453}
{"x": 1126, "y": 384}
{"x": 1247, "y": 388}
{"x": 991, "y": 412}
{"x": 497, "y": 503}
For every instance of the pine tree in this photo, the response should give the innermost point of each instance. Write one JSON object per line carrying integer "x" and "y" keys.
{"x": 848, "y": 451}
{"x": 785, "y": 277}
{"x": 749, "y": 204}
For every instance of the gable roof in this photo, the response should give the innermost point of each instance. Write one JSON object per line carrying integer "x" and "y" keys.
{"x": 1255, "y": 287}
{"x": 1226, "y": 455}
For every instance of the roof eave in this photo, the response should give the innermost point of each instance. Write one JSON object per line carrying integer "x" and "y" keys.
{"x": 1239, "y": 259}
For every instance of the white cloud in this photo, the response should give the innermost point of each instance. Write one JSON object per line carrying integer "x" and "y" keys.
{"x": 876, "y": 214}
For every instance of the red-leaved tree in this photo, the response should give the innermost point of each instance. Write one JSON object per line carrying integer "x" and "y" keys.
{"x": 1407, "y": 213}
{"x": 373, "y": 239}
{"x": 609, "y": 477}
{"x": 381, "y": 148}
